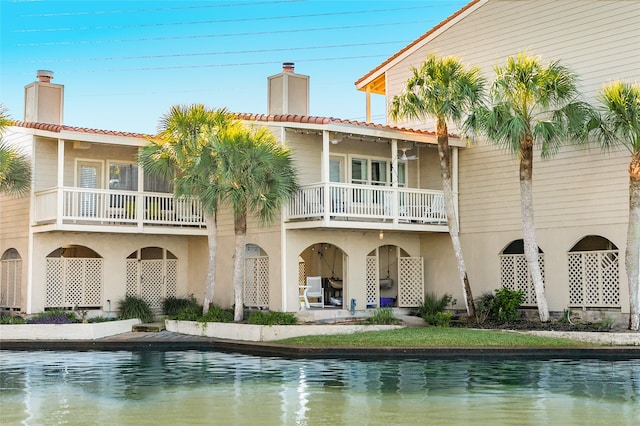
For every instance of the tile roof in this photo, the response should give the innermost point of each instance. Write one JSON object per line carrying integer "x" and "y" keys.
{"x": 57, "y": 128}
{"x": 304, "y": 119}
{"x": 418, "y": 40}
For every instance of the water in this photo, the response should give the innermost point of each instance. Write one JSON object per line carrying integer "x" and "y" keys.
{"x": 193, "y": 387}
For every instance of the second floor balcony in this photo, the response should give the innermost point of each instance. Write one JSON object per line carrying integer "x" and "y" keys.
{"x": 70, "y": 208}
{"x": 344, "y": 205}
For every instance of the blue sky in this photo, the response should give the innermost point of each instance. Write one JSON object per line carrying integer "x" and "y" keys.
{"x": 124, "y": 63}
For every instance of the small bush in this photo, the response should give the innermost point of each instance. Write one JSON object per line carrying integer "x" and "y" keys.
{"x": 99, "y": 319}
{"x": 188, "y": 313}
{"x": 383, "y": 316}
{"x": 272, "y": 318}
{"x": 432, "y": 306}
{"x": 11, "y": 319}
{"x": 506, "y": 304}
{"x": 56, "y": 316}
{"x": 172, "y": 305}
{"x": 134, "y": 307}
{"x": 217, "y": 314}
{"x": 441, "y": 319}
{"x": 484, "y": 307}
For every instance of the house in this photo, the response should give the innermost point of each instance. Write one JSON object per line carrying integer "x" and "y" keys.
{"x": 95, "y": 227}
{"x": 581, "y": 197}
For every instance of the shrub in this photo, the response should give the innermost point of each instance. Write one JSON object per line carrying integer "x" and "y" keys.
{"x": 432, "y": 306}
{"x": 272, "y": 318}
{"x": 172, "y": 305}
{"x": 484, "y": 307}
{"x": 217, "y": 314}
{"x": 506, "y": 304}
{"x": 11, "y": 319}
{"x": 188, "y": 313}
{"x": 135, "y": 307}
{"x": 441, "y": 319}
{"x": 383, "y": 316}
{"x": 99, "y": 319}
{"x": 55, "y": 316}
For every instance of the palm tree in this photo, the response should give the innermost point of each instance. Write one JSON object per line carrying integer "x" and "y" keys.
{"x": 15, "y": 169}
{"x": 619, "y": 124}
{"x": 534, "y": 105}
{"x": 183, "y": 152}
{"x": 443, "y": 89}
{"x": 256, "y": 177}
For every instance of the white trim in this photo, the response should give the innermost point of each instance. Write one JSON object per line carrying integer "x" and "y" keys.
{"x": 76, "y": 183}
{"x": 369, "y": 158}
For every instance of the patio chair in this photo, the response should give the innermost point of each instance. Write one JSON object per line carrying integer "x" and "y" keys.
{"x": 314, "y": 290}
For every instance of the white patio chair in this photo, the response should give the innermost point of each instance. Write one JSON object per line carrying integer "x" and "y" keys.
{"x": 314, "y": 290}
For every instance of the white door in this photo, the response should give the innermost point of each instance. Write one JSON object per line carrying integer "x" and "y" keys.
{"x": 89, "y": 176}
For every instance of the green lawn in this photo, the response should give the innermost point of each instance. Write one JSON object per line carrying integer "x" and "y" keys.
{"x": 424, "y": 337}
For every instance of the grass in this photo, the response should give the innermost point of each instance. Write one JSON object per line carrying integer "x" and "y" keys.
{"x": 425, "y": 337}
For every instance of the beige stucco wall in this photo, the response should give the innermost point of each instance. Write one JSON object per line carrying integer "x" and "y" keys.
{"x": 114, "y": 249}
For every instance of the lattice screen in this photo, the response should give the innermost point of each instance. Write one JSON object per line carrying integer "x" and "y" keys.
{"x": 302, "y": 273}
{"x": 256, "y": 281}
{"x": 373, "y": 282}
{"x": 10, "y": 283}
{"x": 410, "y": 282}
{"x": 514, "y": 275}
{"x": 152, "y": 280}
{"x": 594, "y": 279}
{"x": 74, "y": 281}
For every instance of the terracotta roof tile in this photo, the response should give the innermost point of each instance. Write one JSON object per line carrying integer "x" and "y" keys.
{"x": 416, "y": 41}
{"x": 57, "y": 128}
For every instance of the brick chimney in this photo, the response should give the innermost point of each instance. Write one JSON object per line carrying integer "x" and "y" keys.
{"x": 288, "y": 92}
{"x": 43, "y": 100}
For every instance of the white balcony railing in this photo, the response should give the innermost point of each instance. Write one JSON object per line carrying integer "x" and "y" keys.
{"x": 367, "y": 202}
{"x": 105, "y": 206}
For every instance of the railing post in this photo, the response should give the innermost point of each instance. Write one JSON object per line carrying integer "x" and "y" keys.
{"x": 326, "y": 202}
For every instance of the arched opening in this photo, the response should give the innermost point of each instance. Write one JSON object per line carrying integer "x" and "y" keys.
{"x": 74, "y": 278}
{"x": 594, "y": 273}
{"x": 10, "y": 280}
{"x": 328, "y": 262}
{"x": 152, "y": 275}
{"x": 514, "y": 271}
{"x": 256, "y": 277}
{"x": 394, "y": 279}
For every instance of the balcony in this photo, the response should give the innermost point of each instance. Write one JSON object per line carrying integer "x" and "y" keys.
{"x": 103, "y": 210}
{"x": 344, "y": 205}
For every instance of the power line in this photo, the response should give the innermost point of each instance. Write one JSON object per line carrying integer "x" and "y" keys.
{"x": 344, "y": 27}
{"x": 220, "y": 21}
{"x": 181, "y": 55}
{"x": 240, "y": 64}
{"x": 155, "y": 9}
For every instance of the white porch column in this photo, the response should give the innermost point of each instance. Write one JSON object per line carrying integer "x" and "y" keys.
{"x": 324, "y": 175}
{"x": 454, "y": 179}
{"x": 60, "y": 183}
{"x": 140, "y": 198}
{"x": 394, "y": 179}
{"x": 368, "y": 104}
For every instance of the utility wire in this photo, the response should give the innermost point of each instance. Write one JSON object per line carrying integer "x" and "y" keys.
{"x": 182, "y": 55}
{"x": 220, "y": 21}
{"x": 344, "y": 27}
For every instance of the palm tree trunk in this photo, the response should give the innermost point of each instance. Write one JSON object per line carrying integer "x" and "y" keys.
{"x": 632, "y": 256}
{"x": 528, "y": 226}
{"x": 240, "y": 225}
{"x": 212, "y": 241}
{"x": 444, "y": 154}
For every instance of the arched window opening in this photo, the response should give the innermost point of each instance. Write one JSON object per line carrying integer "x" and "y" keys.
{"x": 394, "y": 278}
{"x": 514, "y": 271}
{"x": 10, "y": 280}
{"x": 152, "y": 275}
{"x": 328, "y": 262}
{"x": 256, "y": 277}
{"x": 74, "y": 278}
{"x": 594, "y": 273}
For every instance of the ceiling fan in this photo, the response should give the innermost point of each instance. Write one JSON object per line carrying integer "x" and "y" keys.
{"x": 406, "y": 157}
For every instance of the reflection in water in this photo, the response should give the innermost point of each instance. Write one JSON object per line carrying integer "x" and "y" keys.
{"x": 192, "y": 387}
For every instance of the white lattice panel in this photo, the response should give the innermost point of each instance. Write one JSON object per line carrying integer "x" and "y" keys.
{"x": 594, "y": 279}
{"x": 10, "y": 283}
{"x": 514, "y": 275}
{"x": 256, "y": 282}
{"x": 410, "y": 282}
{"x": 72, "y": 282}
{"x": 171, "y": 280}
{"x": 302, "y": 273}
{"x": 152, "y": 283}
{"x": 373, "y": 283}
{"x": 54, "y": 296}
{"x": 133, "y": 275}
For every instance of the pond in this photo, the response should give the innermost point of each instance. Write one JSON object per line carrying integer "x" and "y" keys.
{"x": 196, "y": 387}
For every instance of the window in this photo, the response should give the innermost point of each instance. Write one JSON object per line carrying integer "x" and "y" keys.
{"x": 123, "y": 176}
{"x": 157, "y": 184}
{"x": 376, "y": 172}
